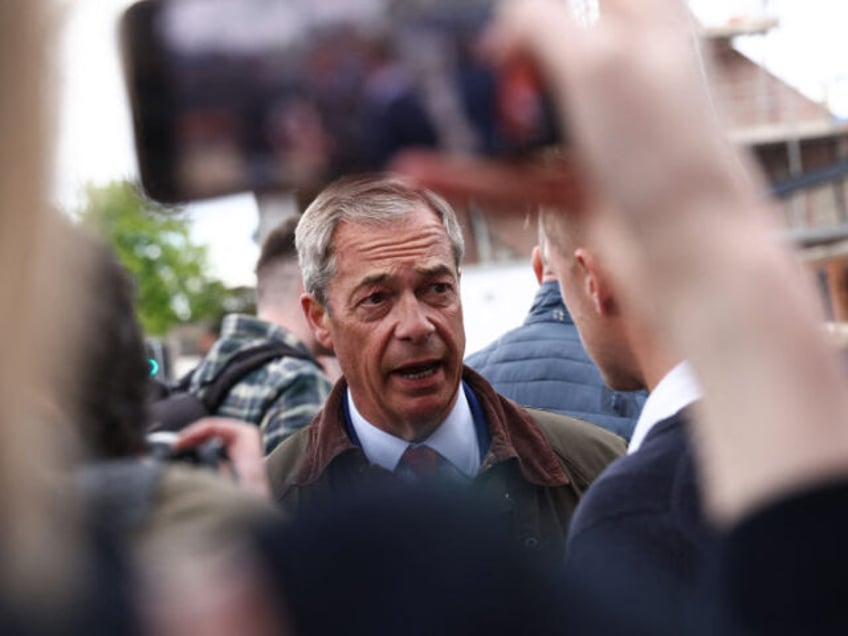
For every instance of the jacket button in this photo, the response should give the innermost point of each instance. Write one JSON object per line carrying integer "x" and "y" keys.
{"x": 531, "y": 543}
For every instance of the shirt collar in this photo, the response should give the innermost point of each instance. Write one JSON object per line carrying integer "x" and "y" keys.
{"x": 677, "y": 389}
{"x": 455, "y": 439}
{"x": 331, "y": 435}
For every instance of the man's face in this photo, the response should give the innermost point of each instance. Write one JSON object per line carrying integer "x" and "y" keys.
{"x": 394, "y": 319}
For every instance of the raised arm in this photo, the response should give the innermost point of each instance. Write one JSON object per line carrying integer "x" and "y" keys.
{"x": 690, "y": 233}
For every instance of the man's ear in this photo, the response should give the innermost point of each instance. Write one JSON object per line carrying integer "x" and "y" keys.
{"x": 596, "y": 282}
{"x": 538, "y": 263}
{"x": 318, "y": 320}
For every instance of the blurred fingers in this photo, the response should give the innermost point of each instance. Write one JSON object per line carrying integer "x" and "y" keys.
{"x": 502, "y": 186}
{"x": 228, "y": 430}
{"x": 243, "y": 442}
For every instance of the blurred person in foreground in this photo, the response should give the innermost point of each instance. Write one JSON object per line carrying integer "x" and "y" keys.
{"x": 60, "y": 574}
{"x": 285, "y": 393}
{"x": 411, "y": 561}
{"x": 380, "y": 262}
{"x": 691, "y": 239}
{"x": 149, "y": 500}
{"x": 543, "y": 363}
{"x": 63, "y": 570}
{"x": 183, "y": 525}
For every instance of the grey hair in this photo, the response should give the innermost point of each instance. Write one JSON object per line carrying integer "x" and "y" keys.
{"x": 371, "y": 200}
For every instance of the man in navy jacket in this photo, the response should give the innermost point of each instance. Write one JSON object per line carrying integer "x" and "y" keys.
{"x": 640, "y": 527}
{"x": 543, "y": 364}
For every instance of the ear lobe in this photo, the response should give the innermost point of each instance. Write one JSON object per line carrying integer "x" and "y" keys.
{"x": 318, "y": 320}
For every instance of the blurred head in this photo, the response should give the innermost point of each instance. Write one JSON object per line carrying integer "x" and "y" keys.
{"x": 410, "y": 561}
{"x": 109, "y": 402}
{"x": 279, "y": 284}
{"x": 589, "y": 294}
{"x": 277, "y": 273}
{"x": 380, "y": 260}
{"x": 38, "y": 324}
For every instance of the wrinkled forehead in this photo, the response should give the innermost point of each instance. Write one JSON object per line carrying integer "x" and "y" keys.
{"x": 417, "y": 233}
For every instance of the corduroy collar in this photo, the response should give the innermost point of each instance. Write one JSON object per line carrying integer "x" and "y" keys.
{"x": 512, "y": 431}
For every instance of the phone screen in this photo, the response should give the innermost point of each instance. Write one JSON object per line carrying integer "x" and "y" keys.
{"x": 235, "y": 95}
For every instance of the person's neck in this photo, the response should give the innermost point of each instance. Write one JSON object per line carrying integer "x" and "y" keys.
{"x": 658, "y": 370}
{"x": 408, "y": 429}
{"x": 653, "y": 359}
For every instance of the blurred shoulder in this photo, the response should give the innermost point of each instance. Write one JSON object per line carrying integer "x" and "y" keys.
{"x": 197, "y": 502}
{"x": 584, "y": 448}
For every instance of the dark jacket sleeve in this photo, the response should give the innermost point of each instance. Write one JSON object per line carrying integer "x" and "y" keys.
{"x": 639, "y": 536}
{"x": 783, "y": 569}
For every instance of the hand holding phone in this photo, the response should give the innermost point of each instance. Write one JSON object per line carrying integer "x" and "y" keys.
{"x": 234, "y": 95}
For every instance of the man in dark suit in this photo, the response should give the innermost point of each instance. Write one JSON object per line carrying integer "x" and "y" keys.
{"x": 640, "y": 526}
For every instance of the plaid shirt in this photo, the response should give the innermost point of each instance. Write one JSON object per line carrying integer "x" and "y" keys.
{"x": 281, "y": 396}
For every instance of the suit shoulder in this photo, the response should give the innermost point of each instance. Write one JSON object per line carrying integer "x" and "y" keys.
{"x": 640, "y": 486}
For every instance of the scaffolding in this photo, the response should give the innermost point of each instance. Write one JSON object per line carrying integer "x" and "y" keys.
{"x": 804, "y": 153}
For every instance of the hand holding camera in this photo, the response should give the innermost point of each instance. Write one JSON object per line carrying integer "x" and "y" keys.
{"x": 227, "y": 445}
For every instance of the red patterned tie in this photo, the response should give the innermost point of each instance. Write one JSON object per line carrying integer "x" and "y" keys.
{"x": 419, "y": 462}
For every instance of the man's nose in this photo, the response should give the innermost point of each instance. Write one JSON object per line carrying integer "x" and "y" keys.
{"x": 413, "y": 321}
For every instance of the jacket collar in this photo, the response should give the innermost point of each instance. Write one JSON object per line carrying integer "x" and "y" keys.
{"x": 548, "y": 306}
{"x": 513, "y": 435}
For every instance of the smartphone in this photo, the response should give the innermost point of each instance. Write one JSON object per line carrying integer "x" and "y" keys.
{"x": 274, "y": 95}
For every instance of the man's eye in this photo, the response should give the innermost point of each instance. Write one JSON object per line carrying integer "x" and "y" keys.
{"x": 441, "y": 288}
{"x": 374, "y": 299}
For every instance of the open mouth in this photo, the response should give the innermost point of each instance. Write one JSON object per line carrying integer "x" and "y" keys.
{"x": 418, "y": 371}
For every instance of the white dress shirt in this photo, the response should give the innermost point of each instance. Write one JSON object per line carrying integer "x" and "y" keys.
{"x": 455, "y": 439}
{"x": 677, "y": 390}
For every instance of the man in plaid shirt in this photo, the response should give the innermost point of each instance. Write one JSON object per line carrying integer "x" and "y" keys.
{"x": 284, "y": 394}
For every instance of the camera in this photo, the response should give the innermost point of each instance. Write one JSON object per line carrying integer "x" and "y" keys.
{"x": 274, "y": 95}
{"x": 211, "y": 454}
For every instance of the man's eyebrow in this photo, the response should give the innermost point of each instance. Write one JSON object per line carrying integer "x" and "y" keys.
{"x": 382, "y": 277}
{"x": 374, "y": 279}
{"x": 438, "y": 270}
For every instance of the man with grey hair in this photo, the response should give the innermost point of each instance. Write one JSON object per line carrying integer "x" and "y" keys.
{"x": 381, "y": 265}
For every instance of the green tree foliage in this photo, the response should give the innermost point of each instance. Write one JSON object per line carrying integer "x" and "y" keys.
{"x": 153, "y": 243}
